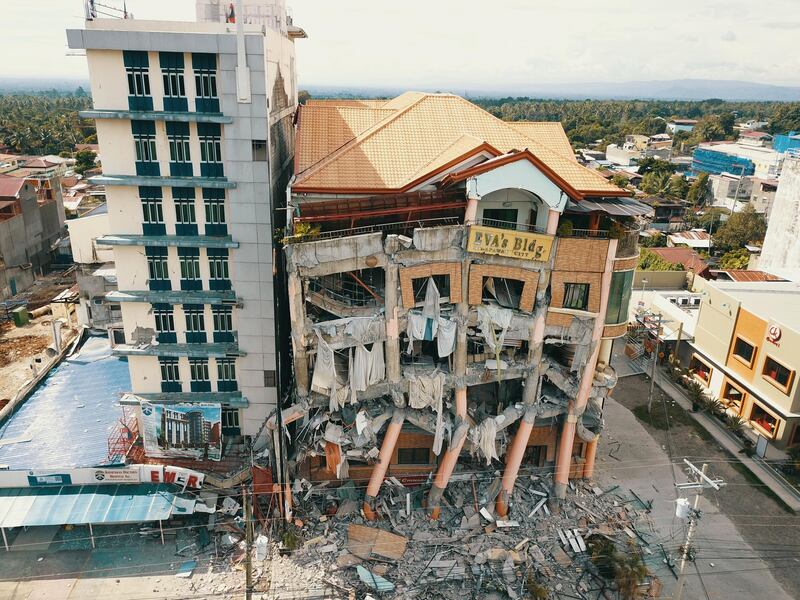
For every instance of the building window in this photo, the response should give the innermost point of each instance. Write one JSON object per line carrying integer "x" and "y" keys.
{"x": 700, "y": 369}
{"x": 157, "y": 268}
{"x": 226, "y": 375}
{"x": 170, "y": 375}
{"x": 420, "y": 286}
{"x": 165, "y": 323}
{"x": 137, "y": 68}
{"x": 732, "y": 396}
{"x": 205, "y": 80}
{"x": 576, "y": 296}
{"x": 210, "y": 149}
{"x": 619, "y": 297}
{"x": 777, "y": 374}
{"x": 152, "y": 211}
{"x": 230, "y": 421}
{"x": 223, "y": 323}
{"x": 214, "y": 201}
{"x": 190, "y": 268}
{"x": 744, "y": 351}
{"x": 219, "y": 275}
{"x": 259, "y": 151}
{"x": 505, "y": 292}
{"x": 198, "y": 370}
{"x": 174, "y": 86}
{"x": 144, "y": 141}
{"x": 764, "y": 420}
{"x": 185, "y": 215}
{"x": 503, "y": 218}
{"x": 180, "y": 157}
{"x": 413, "y": 456}
{"x": 195, "y": 323}
{"x": 270, "y": 378}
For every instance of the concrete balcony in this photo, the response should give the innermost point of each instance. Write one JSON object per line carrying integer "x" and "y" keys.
{"x": 166, "y": 241}
{"x": 180, "y": 117}
{"x": 178, "y": 350}
{"x": 227, "y": 399}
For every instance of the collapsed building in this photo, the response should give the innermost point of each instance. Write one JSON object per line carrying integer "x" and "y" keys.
{"x": 455, "y": 284}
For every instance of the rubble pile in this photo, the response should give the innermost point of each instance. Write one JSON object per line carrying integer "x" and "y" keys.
{"x": 544, "y": 547}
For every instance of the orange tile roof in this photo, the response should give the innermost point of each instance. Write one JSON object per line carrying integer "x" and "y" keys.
{"x": 548, "y": 133}
{"x": 351, "y": 102}
{"x": 423, "y": 134}
{"x": 745, "y": 275}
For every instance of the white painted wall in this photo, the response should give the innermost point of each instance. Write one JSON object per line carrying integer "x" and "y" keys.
{"x": 109, "y": 80}
{"x": 781, "y": 248}
{"x": 83, "y": 234}
{"x": 116, "y": 144}
{"x": 521, "y": 200}
{"x": 523, "y": 175}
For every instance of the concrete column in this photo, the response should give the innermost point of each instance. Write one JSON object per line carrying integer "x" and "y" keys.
{"x": 552, "y": 221}
{"x": 392, "y": 326}
{"x": 604, "y": 355}
{"x": 471, "y": 212}
{"x": 577, "y": 406}
{"x": 450, "y": 457}
{"x": 379, "y": 471}
{"x": 591, "y": 454}
{"x": 297, "y": 315}
{"x": 514, "y": 457}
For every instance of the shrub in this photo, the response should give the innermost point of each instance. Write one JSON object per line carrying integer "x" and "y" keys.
{"x": 734, "y": 424}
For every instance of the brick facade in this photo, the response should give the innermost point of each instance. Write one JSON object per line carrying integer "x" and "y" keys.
{"x": 409, "y": 274}
{"x": 530, "y": 280}
{"x": 581, "y": 254}
{"x": 615, "y": 331}
{"x": 626, "y": 264}
{"x": 557, "y": 287}
{"x": 555, "y": 319}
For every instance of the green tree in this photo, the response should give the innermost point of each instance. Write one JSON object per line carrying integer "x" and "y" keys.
{"x": 619, "y": 180}
{"x": 741, "y": 228}
{"x": 785, "y": 118}
{"x": 84, "y": 160}
{"x": 660, "y": 183}
{"x": 303, "y": 96}
{"x": 650, "y": 261}
{"x": 679, "y": 187}
{"x": 709, "y": 129}
{"x": 727, "y": 121}
{"x": 709, "y": 219}
{"x": 735, "y": 259}
{"x": 699, "y": 191}
{"x": 655, "y": 165}
{"x": 657, "y": 240}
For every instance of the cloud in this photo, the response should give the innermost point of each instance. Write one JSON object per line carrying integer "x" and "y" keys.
{"x": 728, "y": 36}
{"x": 783, "y": 25}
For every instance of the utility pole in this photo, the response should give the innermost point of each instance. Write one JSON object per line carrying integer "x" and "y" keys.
{"x": 248, "y": 557}
{"x": 653, "y": 367}
{"x": 702, "y": 482}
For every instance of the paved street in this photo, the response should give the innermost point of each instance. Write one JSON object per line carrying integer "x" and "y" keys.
{"x": 741, "y": 553}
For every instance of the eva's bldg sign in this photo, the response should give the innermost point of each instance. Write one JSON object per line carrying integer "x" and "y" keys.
{"x": 507, "y": 242}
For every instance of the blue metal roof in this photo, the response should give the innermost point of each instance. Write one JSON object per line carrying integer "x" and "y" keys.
{"x": 70, "y": 414}
{"x": 95, "y": 504}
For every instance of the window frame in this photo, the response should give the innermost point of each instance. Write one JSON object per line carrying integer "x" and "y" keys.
{"x": 584, "y": 289}
{"x": 170, "y": 370}
{"x": 190, "y": 266}
{"x": 185, "y": 211}
{"x": 164, "y": 319}
{"x": 138, "y": 81}
{"x": 214, "y": 211}
{"x": 199, "y": 367}
{"x": 702, "y": 361}
{"x": 174, "y": 83}
{"x": 156, "y": 264}
{"x": 226, "y": 369}
{"x": 732, "y": 403}
{"x": 195, "y": 319}
{"x": 230, "y": 418}
{"x": 179, "y": 149}
{"x": 216, "y": 264}
{"x": 222, "y": 315}
{"x": 771, "y": 435}
{"x": 785, "y": 388}
{"x": 749, "y": 364}
{"x": 152, "y": 211}
{"x": 145, "y": 147}
{"x": 211, "y": 149}
{"x": 415, "y": 460}
{"x": 205, "y": 83}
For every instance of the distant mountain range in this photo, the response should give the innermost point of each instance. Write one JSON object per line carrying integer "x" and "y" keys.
{"x": 673, "y": 89}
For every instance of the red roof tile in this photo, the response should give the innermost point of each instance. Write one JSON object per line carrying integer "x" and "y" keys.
{"x": 685, "y": 256}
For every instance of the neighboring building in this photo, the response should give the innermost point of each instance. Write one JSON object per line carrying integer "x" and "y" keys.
{"x": 786, "y": 142}
{"x": 29, "y": 231}
{"x": 781, "y": 248}
{"x": 744, "y": 275}
{"x": 668, "y": 214}
{"x": 96, "y": 273}
{"x": 730, "y": 191}
{"x": 687, "y": 257}
{"x": 637, "y": 147}
{"x": 762, "y": 196}
{"x": 747, "y": 354}
{"x": 755, "y": 138}
{"x": 694, "y": 238}
{"x": 623, "y": 155}
{"x": 194, "y": 122}
{"x": 737, "y": 158}
{"x": 753, "y": 125}
{"x": 458, "y": 257}
{"x": 681, "y": 125}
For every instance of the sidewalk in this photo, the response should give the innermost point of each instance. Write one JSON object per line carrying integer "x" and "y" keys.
{"x": 780, "y": 487}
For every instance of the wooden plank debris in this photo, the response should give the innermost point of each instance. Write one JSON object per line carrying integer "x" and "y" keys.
{"x": 537, "y": 507}
{"x": 367, "y": 542}
{"x": 580, "y": 541}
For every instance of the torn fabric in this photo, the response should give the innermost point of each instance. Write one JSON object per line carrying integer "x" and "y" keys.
{"x": 426, "y": 390}
{"x": 484, "y": 437}
{"x": 446, "y": 337}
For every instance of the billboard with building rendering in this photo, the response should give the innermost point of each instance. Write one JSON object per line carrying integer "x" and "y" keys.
{"x": 190, "y": 430}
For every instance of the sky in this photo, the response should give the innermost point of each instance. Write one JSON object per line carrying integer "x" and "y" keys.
{"x": 471, "y": 45}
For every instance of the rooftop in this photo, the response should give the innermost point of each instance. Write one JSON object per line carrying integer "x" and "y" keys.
{"x": 10, "y": 186}
{"x": 690, "y": 260}
{"x": 771, "y": 300}
{"x": 363, "y": 146}
{"x": 67, "y": 419}
{"x": 742, "y": 150}
{"x": 745, "y": 275}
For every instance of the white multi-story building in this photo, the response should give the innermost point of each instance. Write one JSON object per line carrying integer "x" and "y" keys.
{"x": 194, "y": 121}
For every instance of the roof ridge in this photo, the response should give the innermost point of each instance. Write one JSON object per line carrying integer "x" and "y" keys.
{"x": 364, "y": 135}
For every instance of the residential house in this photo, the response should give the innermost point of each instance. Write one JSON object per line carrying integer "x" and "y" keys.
{"x": 685, "y": 256}
{"x": 696, "y": 239}
{"x": 677, "y": 125}
{"x": 762, "y": 196}
{"x": 731, "y": 191}
{"x": 737, "y": 158}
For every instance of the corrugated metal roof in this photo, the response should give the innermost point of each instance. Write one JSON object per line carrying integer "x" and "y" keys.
{"x": 622, "y": 207}
{"x": 70, "y": 415}
{"x": 82, "y": 505}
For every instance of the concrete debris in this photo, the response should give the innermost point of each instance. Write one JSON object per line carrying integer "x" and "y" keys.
{"x": 470, "y": 552}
